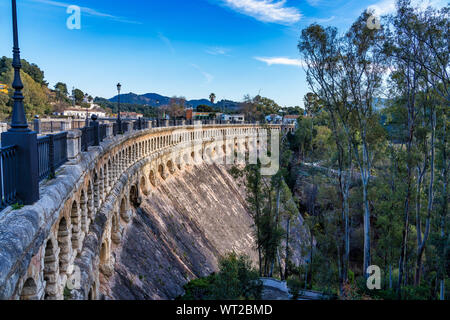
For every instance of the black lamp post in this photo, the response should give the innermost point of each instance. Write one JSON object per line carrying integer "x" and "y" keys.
{"x": 119, "y": 119}
{"x": 18, "y": 120}
{"x": 19, "y": 135}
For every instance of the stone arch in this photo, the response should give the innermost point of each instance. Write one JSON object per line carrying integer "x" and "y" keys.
{"x": 133, "y": 196}
{"x": 115, "y": 229}
{"x": 104, "y": 181}
{"x": 104, "y": 253}
{"x": 29, "y": 290}
{"x": 170, "y": 167}
{"x": 143, "y": 186}
{"x": 186, "y": 160}
{"x": 97, "y": 193}
{"x": 84, "y": 211}
{"x": 92, "y": 295}
{"x": 64, "y": 245}
{"x": 51, "y": 270}
{"x": 124, "y": 210}
{"x": 91, "y": 201}
{"x": 161, "y": 172}
{"x": 110, "y": 174}
{"x": 152, "y": 178}
{"x": 76, "y": 228}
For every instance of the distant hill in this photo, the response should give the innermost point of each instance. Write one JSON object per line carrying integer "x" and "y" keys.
{"x": 157, "y": 100}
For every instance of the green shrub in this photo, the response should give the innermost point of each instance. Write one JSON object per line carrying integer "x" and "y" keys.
{"x": 295, "y": 287}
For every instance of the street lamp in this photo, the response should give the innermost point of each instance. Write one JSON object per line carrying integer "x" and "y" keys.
{"x": 18, "y": 120}
{"x": 119, "y": 119}
{"x": 19, "y": 135}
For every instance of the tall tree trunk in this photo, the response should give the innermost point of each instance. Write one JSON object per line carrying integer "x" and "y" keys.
{"x": 345, "y": 266}
{"x": 286, "y": 264}
{"x": 390, "y": 276}
{"x": 277, "y": 214}
{"x": 401, "y": 264}
{"x": 444, "y": 210}
{"x": 421, "y": 247}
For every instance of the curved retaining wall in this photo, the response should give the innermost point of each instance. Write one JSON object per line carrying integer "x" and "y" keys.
{"x": 63, "y": 241}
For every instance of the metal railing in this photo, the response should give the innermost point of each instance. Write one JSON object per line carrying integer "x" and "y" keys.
{"x": 52, "y": 153}
{"x": 103, "y": 128}
{"x": 87, "y": 138}
{"x": 8, "y": 178}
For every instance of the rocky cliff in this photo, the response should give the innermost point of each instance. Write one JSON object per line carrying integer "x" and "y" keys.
{"x": 178, "y": 234}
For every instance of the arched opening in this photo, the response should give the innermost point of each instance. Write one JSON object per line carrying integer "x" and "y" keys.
{"x": 64, "y": 245}
{"x": 110, "y": 174}
{"x": 51, "y": 266}
{"x": 75, "y": 219}
{"x": 29, "y": 290}
{"x": 186, "y": 159}
{"x": 116, "y": 234}
{"x": 96, "y": 191}
{"x": 171, "y": 167}
{"x": 92, "y": 292}
{"x": 123, "y": 209}
{"x": 134, "y": 200}
{"x": 91, "y": 202}
{"x": 152, "y": 178}
{"x": 143, "y": 186}
{"x": 84, "y": 211}
{"x": 103, "y": 182}
{"x": 104, "y": 253}
{"x": 161, "y": 171}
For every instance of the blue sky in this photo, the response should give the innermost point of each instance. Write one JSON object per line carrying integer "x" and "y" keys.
{"x": 177, "y": 47}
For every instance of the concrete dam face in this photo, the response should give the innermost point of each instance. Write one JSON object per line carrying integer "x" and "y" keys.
{"x": 178, "y": 233}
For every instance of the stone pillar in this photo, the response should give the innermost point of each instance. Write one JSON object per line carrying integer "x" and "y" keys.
{"x": 73, "y": 144}
{"x": 109, "y": 130}
{"x": 37, "y": 124}
{"x": 128, "y": 126}
{"x": 65, "y": 126}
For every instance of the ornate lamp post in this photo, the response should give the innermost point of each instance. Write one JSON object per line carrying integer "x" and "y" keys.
{"x": 19, "y": 135}
{"x": 119, "y": 119}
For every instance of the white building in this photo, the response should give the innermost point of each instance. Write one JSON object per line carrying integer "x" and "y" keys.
{"x": 290, "y": 119}
{"x": 274, "y": 118}
{"x": 79, "y": 112}
{"x": 239, "y": 118}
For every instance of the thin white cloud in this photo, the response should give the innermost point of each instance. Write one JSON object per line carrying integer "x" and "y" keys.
{"x": 216, "y": 51}
{"x": 167, "y": 42}
{"x": 208, "y": 77}
{"x": 266, "y": 10}
{"x": 385, "y": 7}
{"x": 313, "y": 3}
{"x": 323, "y": 20}
{"x": 281, "y": 61}
{"x": 88, "y": 11}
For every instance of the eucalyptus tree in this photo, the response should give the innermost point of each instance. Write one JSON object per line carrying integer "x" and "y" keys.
{"x": 320, "y": 50}
{"x": 363, "y": 66}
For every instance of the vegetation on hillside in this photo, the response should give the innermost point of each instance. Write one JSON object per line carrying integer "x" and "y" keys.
{"x": 376, "y": 182}
{"x": 236, "y": 280}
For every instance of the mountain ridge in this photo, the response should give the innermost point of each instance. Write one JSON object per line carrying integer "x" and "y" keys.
{"x": 157, "y": 100}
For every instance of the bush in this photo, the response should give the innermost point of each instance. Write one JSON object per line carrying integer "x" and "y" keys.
{"x": 295, "y": 286}
{"x": 236, "y": 280}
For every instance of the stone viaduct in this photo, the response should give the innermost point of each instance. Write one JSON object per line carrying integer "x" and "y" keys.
{"x": 63, "y": 242}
